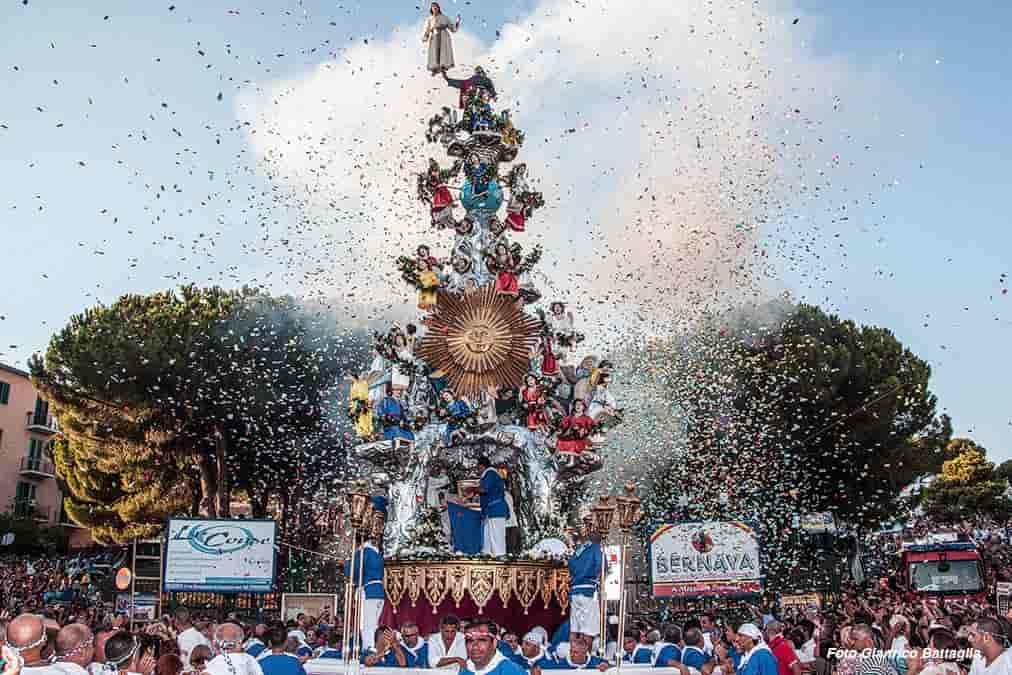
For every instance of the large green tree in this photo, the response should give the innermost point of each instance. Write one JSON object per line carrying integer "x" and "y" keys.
{"x": 967, "y": 488}
{"x": 851, "y": 408}
{"x": 786, "y": 411}
{"x": 173, "y": 402}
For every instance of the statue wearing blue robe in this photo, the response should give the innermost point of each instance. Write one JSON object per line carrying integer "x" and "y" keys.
{"x": 457, "y": 412}
{"x": 394, "y": 419}
{"x": 487, "y": 196}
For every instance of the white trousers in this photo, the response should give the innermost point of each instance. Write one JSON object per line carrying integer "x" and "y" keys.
{"x": 371, "y": 610}
{"x": 494, "y": 535}
{"x": 584, "y": 615}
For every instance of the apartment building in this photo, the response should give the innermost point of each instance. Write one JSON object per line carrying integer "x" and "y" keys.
{"x": 28, "y": 486}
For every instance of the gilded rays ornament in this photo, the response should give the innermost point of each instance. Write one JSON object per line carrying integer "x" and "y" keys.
{"x": 479, "y": 339}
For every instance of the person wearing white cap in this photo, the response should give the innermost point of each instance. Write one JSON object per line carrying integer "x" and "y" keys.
{"x": 532, "y": 653}
{"x": 757, "y": 659}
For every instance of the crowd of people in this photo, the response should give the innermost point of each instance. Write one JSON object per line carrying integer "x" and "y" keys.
{"x": 51, "y": 623}
{"x": 873, "y": 634}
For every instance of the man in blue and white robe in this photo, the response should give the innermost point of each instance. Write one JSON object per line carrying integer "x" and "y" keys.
{"x": 586, "y": 566}
{"x": 413, "y": 644}
{"x": 532, "y": 652}
{"x": 579, "y": 657}
{"x": 367, "y": 577}
{"x": 494, "y": 511}
{"x": 483, "y": 656}
{"x": 757, "y": 659}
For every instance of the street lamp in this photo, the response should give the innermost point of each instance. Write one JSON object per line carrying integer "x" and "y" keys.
{"x": 602, "y": 516}
{"x": 360, "y": 510}
{"x": 629, "y": 513}
{"x": 623, "y": 511}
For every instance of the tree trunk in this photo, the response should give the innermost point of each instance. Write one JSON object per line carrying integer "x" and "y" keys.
{"x": 195, "y": 490}
{"x": 221, "y": 459}
{"x": 258, "y": 502}
{"x": 208, "y": 485}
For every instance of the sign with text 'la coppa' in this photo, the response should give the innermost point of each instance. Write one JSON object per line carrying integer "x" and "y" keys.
{"x": 692, "y": 560}
{"x": 225, "y": 556}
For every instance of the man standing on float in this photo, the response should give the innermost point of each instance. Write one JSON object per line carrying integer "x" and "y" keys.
{"x": 585, "y": 568}
{"x": 494, "y": 511}
{"x": 367, "y": 576}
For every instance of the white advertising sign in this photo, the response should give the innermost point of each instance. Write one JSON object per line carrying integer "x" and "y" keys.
{"x": 705, "y": 559}
{"x": 226, "y": 556}
{"x": 613, "y": 557}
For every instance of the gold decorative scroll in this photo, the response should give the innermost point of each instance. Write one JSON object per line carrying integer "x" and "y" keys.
{"x": 520, "y": 583}
{"x": 435, "y": 586}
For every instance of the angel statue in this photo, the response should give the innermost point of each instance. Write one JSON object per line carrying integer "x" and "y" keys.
{"x": 437, "y": 33}
{"x": 480, "y": 80}
{"x": 523, "y": 201}
{"x": 433, "y": 189}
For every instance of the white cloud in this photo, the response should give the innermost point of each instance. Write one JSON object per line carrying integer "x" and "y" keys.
{"x": 660, "y": 132}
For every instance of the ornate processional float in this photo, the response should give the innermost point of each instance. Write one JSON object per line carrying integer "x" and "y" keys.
{"x": 490, "y": 369}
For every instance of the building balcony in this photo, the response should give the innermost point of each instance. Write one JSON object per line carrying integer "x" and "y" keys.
{"x": 36, "y": 467}
{"x": 30, "y": 511}
{"x": 41, "y": 424}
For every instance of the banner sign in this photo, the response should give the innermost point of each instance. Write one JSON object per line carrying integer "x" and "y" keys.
{"x": 223, "y": 556}
{"x": 705, "y": 559}
{"x": 802, "y": 600}
{"x": 144, "y": 605}
{"x": 311, "y": 604}
{"x": 818, "y": 523}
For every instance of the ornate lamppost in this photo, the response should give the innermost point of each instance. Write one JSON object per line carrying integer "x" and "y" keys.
{"x": 360, "y": 514}
{"x": 602, "y": 517}
{"x": 629, "y": 511}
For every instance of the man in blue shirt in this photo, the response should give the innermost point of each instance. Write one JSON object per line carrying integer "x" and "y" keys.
{"x": 494, "y": 511}
{"x": 532, "y": 652}
{"x": 693, "y": 654}
{"x": 586, "y": 566}
{"x": 332, "y": 650}
{"x": 483, "y": 656}
{"x": 757, "y": 659}
{"x": 667, "y": 653}
{"x": 579, "y": 657}
{"x": 255, "y": 645}
{"x": 277, "y": 661}
{"x": 387, "y": 651}
{"x": 635, "y": 651}
{"x": 367, "y": 577}
{"x": 412, "y": 643}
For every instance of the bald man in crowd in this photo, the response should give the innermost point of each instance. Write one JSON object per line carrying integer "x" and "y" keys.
{"x": 75, "y": 649}
{"x": 230, "y": 658}
{"x": 27, "y": 634}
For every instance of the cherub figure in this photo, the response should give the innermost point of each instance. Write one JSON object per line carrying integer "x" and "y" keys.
{"x": 433, "y": 190}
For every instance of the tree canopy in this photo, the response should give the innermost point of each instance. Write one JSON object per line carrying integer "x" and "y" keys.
{"x": 967, "y": 488}
{"x": 797, "y": 411}
{"x": 171, "y": 401}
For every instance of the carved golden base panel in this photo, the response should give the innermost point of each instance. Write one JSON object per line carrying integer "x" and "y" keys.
{"x": 521, "y": 582}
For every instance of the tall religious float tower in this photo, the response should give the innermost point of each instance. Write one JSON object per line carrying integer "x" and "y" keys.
{"x": 491, "y": 370}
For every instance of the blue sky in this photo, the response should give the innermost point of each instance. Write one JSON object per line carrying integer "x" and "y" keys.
{"x": 122, "y": 171}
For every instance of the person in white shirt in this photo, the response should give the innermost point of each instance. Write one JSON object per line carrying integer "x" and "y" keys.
{"x": 75, "y": 649}
{"x": 230, "y": 659}
{"x": 993, "y": 655}
{"x": 900, "y": 629}
{"x": 188, "y": 637}
{"x": 447, "y": 648}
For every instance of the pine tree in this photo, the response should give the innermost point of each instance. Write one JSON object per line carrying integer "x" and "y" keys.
{"x": 175, "y": 402}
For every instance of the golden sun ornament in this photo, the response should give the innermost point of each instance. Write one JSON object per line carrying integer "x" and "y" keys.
{"x": 479, "y": 339}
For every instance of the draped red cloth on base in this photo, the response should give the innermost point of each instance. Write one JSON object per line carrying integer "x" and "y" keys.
{"x": 511, "y": 617}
